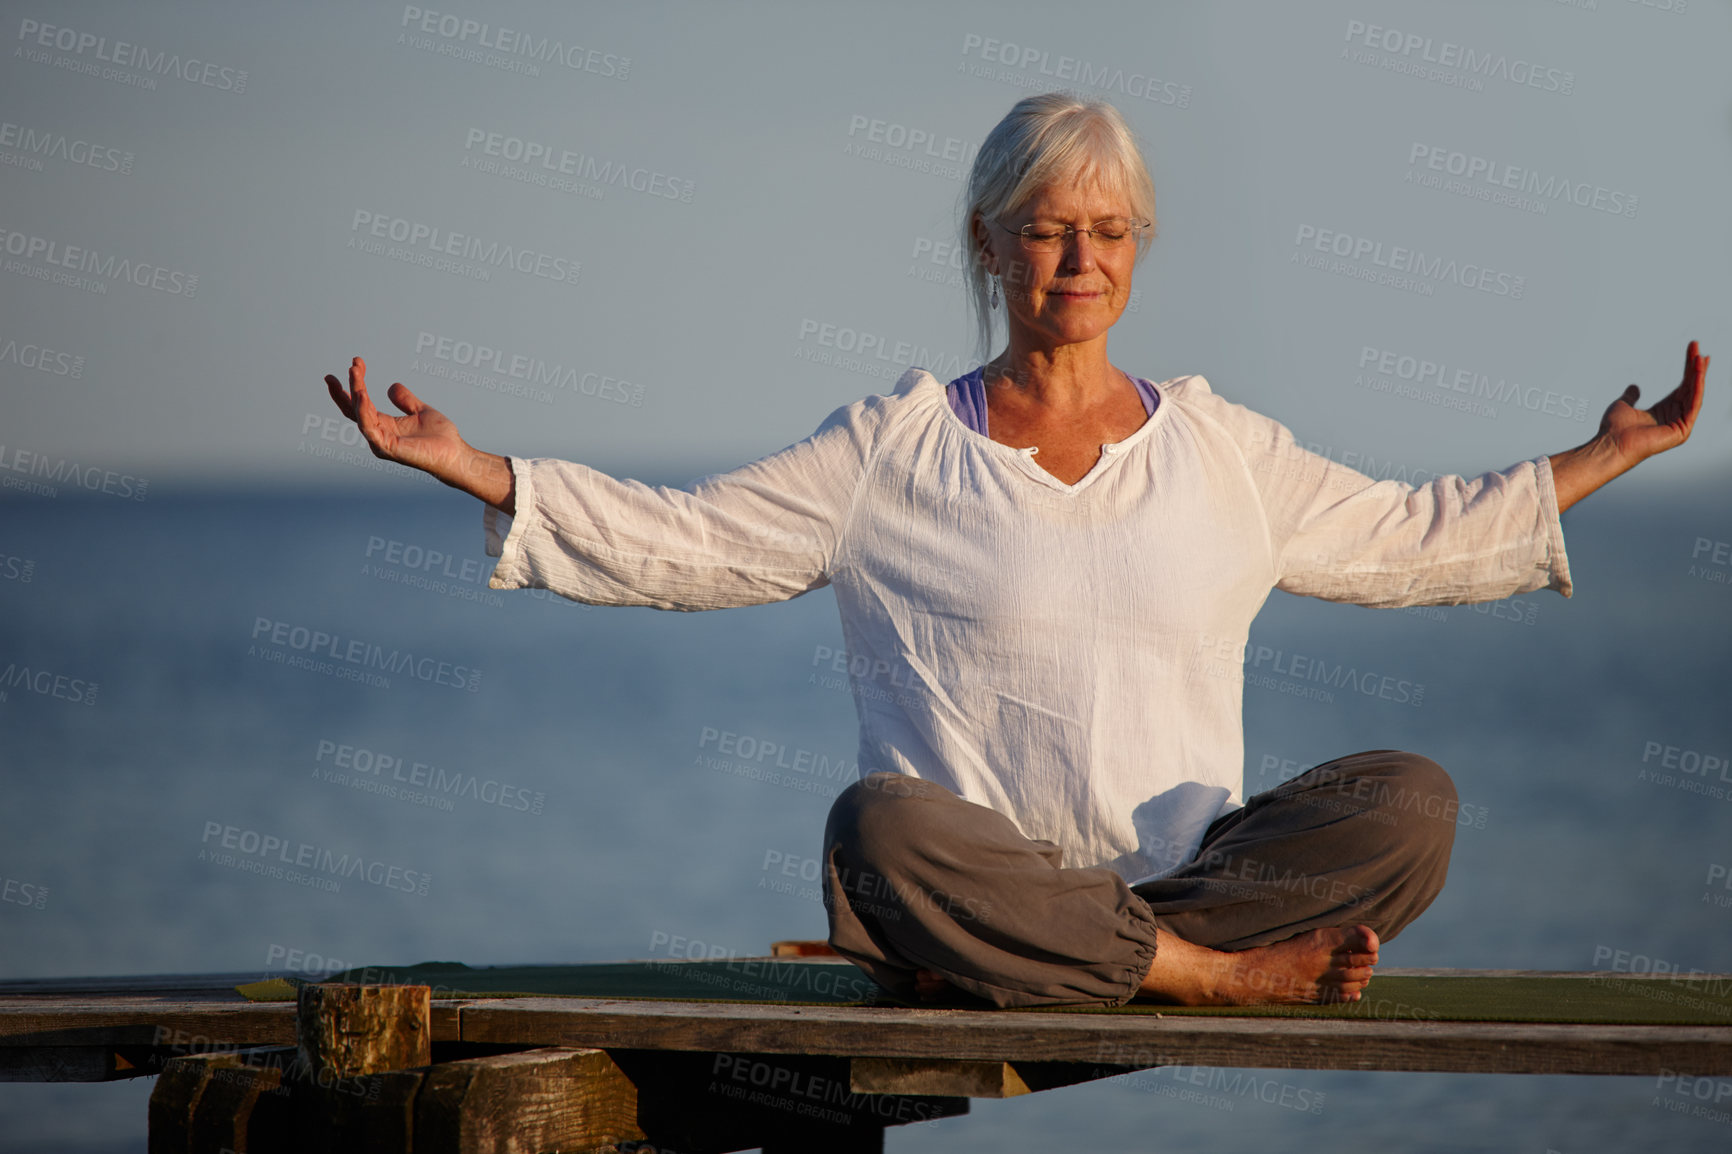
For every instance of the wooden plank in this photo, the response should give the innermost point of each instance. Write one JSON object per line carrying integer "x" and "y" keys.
{"x": 234, "y": 1102}
{"x": 67, "y": 1064}
{"x": 935, "y": 1076}
{"x": 173, "y": 1100}
{"x": 190, "y": 1028}
{"x": 195, "y": 1026}
{"x": 1132, "y": 1040}
{"x": 185, "y": 1027}
{"x": 551, "y": 1099}
{"x": 242, "y": 1110}
{"x": 115, "y": 1033}
{"x": 182, "y": 987}
{"x": 1584, "y": 975}
{"x": 58, "y": 1036}
{"x": 970, "y": 1079}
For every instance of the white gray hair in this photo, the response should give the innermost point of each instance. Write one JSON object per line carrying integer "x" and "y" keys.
{"x": 1046, "y": 139}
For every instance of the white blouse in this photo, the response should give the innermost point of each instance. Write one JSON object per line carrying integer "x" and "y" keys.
{"x": 1069, "y": 655}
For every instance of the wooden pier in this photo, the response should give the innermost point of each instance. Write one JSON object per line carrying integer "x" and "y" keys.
{"x": 391, "y": 1067}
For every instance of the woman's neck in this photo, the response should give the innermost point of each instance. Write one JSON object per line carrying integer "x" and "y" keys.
{"x": 1061, "y": 379}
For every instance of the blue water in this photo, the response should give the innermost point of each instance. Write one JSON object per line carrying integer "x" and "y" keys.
{"x": 578, "y": 805}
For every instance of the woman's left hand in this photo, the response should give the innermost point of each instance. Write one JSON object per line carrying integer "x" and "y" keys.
{"x": 1637, "y": 434}
{"x": 1628, "y": 435}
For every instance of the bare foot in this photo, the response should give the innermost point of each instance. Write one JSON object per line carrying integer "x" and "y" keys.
{"x": 1328, "y": 965}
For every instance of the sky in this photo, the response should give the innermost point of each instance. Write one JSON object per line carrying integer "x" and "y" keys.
{"x": 1428, "y": 237}
{"x": 665, "y": 239}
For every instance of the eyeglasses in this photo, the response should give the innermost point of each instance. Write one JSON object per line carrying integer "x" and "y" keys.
{"x": 1105, "y": 234}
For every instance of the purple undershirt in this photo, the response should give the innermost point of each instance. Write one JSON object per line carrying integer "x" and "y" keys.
{"x": 968, "y": 398}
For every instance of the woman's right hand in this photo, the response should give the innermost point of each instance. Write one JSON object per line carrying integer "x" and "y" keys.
{"x": 423, "y": 438}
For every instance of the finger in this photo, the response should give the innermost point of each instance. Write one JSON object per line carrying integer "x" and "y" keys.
{"x": 1631, "y": 395}
{"x": 1679, "y": 407}
{"x": 367, "y": 417}
{"x": 1698, "y": 383}
{"x": 1692, "y": 366}
{"x": 404, "y": 399}
{"x": 339, "y": 396}
{"x": 358, "y": 382}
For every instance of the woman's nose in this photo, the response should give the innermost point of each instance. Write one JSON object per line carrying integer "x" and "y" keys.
{"x": 1079, "y": 252}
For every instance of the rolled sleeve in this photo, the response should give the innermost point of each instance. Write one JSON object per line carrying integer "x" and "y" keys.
{"x": 1337, "y": 534}
{"x": 1453, "y": 540}
{"x": 500, "y": 529}
{"x": 1558, "y": 561}
{"x": 767, "y": 531}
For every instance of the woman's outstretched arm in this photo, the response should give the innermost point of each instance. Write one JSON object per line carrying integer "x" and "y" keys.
{"x": 1628, "y": 435}
{"x": 767, "y": 531}
{"x": 1341, "y": 536}
{"x": 424, "y": 438}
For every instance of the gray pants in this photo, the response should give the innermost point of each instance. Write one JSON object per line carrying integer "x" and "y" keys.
{"x": 917, "y": 878}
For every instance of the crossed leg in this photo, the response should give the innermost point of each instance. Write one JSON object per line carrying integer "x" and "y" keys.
{"x": 1332, "y": 965}
{"x": 1287, "y": 899}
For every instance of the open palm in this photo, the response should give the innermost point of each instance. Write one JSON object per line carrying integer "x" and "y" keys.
{"x": 423, "y": 438}
{"x": 1638, "y": 434}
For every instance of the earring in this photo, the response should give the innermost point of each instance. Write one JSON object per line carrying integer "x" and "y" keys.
{"x": 992, "y": 301}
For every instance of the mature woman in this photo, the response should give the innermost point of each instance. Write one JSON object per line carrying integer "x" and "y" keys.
{"x": 1060, "y": 562}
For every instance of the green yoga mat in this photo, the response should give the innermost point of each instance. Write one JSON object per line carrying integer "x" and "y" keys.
{"x": 771, "y": 980}
{"x": 1599, "y": 998}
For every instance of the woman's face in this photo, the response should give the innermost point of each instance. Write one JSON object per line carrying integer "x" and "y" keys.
{"x": 1069, "y": 296}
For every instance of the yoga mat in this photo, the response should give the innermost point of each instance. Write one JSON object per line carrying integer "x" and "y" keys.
{"x": 757, "y": 980}
{"x": 1598, "y": 998}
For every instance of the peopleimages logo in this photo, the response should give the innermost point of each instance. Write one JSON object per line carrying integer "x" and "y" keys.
{"x": 553, "y": 160}
{"x": 39, "y": 143}
{"x": 513, "y": 42}
{"x": 269, "y": 635}
{"x": 366, "y": 770}
{"x": 43, "y": 360}
{"x": 105, "y": 267}
{"x": 520, "y": 366}
{"x": 1442, "y": 55}
{"x": 872, "y": 353}
{"x": 1501, "y": 176}
{"x": 1400, "y": 266}
{"x": 267, "y": 854}
{"x": 60, "y": 471}
{"x": 46, "y": 683}
{"x": 1040, "y": 67}
{"x": 427, "y": 244}
{"x": 37, "y": 35}
{"x": 1472, "y": 383}
{"x": 1225, "y": 657}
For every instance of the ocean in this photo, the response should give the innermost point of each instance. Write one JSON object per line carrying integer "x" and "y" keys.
{"x": 191, "y": 679}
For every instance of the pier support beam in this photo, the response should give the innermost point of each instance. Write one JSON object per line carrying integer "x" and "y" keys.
{"x": 360, "y": 1049}
{"x": 233, "y": 1101}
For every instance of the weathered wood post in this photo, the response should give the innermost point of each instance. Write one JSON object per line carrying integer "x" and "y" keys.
{"x": 546, "y": 1099}
{"x": 356, "y": 1072}
{"x": 232, "y": 1100}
